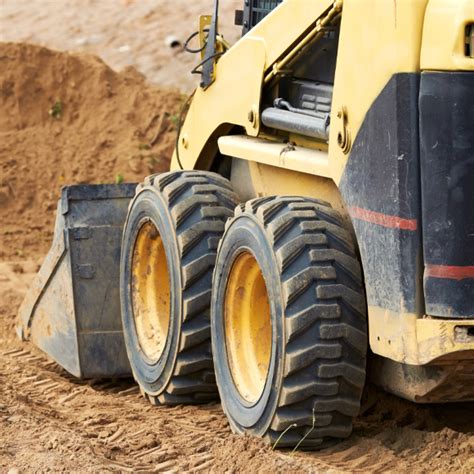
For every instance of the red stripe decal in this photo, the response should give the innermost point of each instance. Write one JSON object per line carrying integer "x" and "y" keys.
{"x": 449, "y": 271}
{"x": 393, "y": 222}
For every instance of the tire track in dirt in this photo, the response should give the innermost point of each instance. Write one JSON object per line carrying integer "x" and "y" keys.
{"x": 179, "y": 438}
{"x": 43, "y": 391}
{"x": 50, "y": 420}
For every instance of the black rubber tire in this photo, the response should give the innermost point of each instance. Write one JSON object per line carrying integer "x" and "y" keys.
{"x": 189, "y": 208}
{"x": 318, "y": 310}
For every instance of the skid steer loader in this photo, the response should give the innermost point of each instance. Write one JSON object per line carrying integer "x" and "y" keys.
{"x": 320, "y": 203}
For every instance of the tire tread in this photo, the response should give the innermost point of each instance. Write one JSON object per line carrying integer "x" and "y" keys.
{"x": 323, "y": 376}
{"x": 199, "y": 204}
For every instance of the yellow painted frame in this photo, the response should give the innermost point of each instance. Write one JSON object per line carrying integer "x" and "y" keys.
{"x": 444, "y": 35}
{"x": 378, "y": 39}
{"x": 234, "y": 98}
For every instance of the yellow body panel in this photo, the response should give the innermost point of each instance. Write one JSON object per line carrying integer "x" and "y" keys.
{"x": 378, "y": 38}
{"x": 444, "y": 35}
{"x": 412, "y": 340}
{"x": 301, "y": 159}
{"x": 391, "y": 44}
{"x": 255, "y": 179}
{"x": 236, "y": 93}
{"x": 225, "y": 102}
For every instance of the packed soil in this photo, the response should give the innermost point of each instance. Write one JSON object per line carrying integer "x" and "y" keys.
{"x": 67, "y": 118}
{"x": 50, "y": 421}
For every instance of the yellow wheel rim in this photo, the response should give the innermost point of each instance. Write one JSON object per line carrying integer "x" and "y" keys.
{"x": 248, "y": 327}
{"x": 150, "y": 291}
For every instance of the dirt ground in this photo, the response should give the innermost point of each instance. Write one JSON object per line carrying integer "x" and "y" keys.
{"x": 122, "y": 32}
{"x": 72, "y": 119}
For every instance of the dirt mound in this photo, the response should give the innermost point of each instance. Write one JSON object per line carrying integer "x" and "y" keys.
{"x": 90, "y": 26}
{"x": 67, "y": 119}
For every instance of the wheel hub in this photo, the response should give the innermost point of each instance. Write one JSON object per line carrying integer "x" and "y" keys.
{"x": 150, "y": 291}
{"x": 248, "y": 328}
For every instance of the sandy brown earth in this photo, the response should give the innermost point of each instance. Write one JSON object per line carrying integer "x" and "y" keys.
{"x": 50, "y": 421}
{"x": 122, "y": 32}
{"x": 107, "y": 126}
{"x": 113, "y": 126}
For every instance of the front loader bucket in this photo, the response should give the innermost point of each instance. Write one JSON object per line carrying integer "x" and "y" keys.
{"x": 72, "y": 310}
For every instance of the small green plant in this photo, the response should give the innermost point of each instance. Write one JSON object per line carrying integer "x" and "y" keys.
{"x": 174, "y": 118}
{"x": 56, "y": 110}
{"x": 144, "y": 146}
{"x": 118, "y": 179}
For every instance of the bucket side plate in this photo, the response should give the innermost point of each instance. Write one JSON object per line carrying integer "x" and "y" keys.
{"x": 72, "y": 310}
